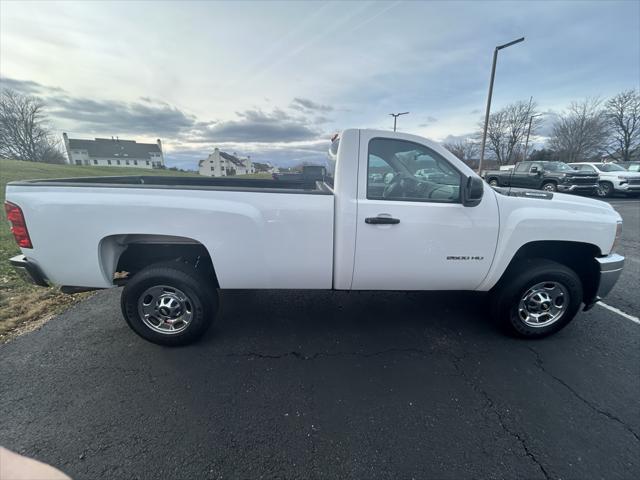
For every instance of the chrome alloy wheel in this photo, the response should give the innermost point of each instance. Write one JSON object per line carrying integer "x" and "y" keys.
{"x": 543, "y": 304}
{"x": 165, "y": 309}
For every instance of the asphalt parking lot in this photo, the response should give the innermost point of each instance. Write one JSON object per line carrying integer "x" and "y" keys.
{"x": 334, "y": 385}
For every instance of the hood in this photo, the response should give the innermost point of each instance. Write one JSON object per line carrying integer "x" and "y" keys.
{"x": 577, "y": 202}
{"x": 626, "y": 174}
{"x": 561, "y": 200}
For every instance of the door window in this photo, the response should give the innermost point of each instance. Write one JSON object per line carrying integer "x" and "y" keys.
{"x": 402, "y": 170}
{"x": 522, "y": 167}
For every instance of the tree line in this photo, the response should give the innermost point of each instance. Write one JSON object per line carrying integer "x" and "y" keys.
{"x": 24, "y": 131}
{"x": 587, "y": 130}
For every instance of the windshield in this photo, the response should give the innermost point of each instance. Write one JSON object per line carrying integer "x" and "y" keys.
{"x": 609, "y": 167}
{"x": 558, "y": 167}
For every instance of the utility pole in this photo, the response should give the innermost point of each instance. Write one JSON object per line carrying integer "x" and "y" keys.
{"x": 526, "y": 143}
{"x": 486, "y": 116}
{"x": 395, "y": 118}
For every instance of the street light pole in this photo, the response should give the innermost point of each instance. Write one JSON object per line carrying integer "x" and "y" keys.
{"x": 395, "y": 118}
{"x": 486, "y": 115}
{"x": 526, "y": 143}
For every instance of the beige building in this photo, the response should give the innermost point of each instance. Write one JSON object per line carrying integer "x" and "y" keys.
{"x": 222, "y": 164}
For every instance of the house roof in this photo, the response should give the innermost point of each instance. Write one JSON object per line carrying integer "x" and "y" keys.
{"x": 106, "y": 147}
{"x": 227, "y": 156}
{"x": 233, "y": 159}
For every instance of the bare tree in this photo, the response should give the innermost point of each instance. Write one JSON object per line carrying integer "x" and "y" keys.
{"x": 580, "y": 133}
{"x": 23, "y": 131}
{"x": 507, "y": 130}
{"x": 466, "y": 149}
{"x": 622, "y": 114}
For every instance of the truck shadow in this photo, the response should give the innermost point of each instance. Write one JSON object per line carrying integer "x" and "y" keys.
{"x": 305, "y": 314}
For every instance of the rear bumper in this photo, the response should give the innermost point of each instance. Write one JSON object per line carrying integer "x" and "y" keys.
{"x": 28, "y": 270}
{"x": 610, "y": 268}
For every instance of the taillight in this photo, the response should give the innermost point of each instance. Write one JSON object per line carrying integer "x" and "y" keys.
{"x": 18, "y": 225}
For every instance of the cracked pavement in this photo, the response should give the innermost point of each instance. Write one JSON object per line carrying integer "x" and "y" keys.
{"x": 329, "y": 385}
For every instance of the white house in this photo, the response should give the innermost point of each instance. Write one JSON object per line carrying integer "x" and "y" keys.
{"x": 222, "y": 164}
{"x": 113, "y": 152}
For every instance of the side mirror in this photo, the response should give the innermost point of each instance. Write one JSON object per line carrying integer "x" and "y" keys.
{"x": 472, "y": 191}
{"x": 533, "y": 170}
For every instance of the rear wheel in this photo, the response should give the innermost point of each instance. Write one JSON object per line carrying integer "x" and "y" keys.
{"x": 493, "y": 182}
{"x": 169, "y": 303}
{"x": 537, "y": 298}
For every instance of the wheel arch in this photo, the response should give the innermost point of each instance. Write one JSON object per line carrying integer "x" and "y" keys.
{"x": 121, "y": 256}
{"x": 578, "y": 256}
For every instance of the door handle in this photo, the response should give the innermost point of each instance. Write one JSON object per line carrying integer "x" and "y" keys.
{"x": 381, "y": 220}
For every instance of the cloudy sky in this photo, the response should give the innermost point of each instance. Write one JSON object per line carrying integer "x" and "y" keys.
{"x": 276, "y": 79}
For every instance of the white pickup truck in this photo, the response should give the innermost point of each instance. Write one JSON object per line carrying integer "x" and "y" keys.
{"x": 402, "y": 213}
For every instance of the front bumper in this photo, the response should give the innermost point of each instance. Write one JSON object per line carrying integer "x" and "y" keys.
{"x": 625, "y": 187}
{"x": 610, "y": 270}
{"x": 28, "y": 270}
{"x": 576, "y": 188}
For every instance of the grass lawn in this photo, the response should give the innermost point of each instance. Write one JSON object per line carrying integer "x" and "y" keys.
{"x": 22, "y": 303}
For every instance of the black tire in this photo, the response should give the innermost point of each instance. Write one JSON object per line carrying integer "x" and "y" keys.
{"x": 493, "y": 182}
{"x": 550, "y": 186}
{"x": 605, "y": 189}
{"x": 518, "y": 281}
{"x": 201, "y": 301}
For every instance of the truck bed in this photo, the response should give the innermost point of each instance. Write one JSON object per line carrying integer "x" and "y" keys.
{"x": 186, "y": 183}
{"x": 259, "y": 233}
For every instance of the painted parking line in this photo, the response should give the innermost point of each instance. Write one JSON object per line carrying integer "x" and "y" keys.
{"x": 620, "y": 312}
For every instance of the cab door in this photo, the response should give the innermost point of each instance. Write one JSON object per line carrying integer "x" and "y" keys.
{"x": 413, "y": 233}
{"x": 521, "y": 175}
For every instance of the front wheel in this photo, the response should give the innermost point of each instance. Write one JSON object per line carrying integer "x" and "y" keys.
{"x": 550, "y": 187}
{"x": 537, "y": 298}
{"x": 605, "y": 189}
{"x": 169, "y": 303}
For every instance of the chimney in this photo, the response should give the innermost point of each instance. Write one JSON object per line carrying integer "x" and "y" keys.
{"x": 117, "y": 139}
{"x": 65, "y": 139}
{"x": 159, "y": 144}
{"x": 113, "y": 139}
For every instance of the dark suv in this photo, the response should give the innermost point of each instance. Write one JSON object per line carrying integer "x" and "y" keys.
{"x": 549, "y": 176}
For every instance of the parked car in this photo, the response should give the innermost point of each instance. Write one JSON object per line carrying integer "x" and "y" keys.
{"x": 174, "y": 241}
{"x": 631, "y": 166}
{"x": 612, "y": 178}
{"x": 549, "y": 176}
